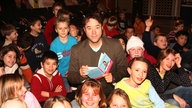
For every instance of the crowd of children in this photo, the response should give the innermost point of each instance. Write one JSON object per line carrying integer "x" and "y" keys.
{"x": 48, "y": 68}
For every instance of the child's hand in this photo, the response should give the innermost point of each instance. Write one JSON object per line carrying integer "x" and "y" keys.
{"x": 148, "y": 23}
{"x": 58, "y": 88}
{"x": 181, "y": 101}
{"x": 178, "y": 60}
{"x": 108, "y": 77}
{"x": 83, "y": 70}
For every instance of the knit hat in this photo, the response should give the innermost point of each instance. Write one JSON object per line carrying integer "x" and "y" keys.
{"x": 134, "y": 41}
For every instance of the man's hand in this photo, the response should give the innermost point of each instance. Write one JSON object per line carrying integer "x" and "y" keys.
{"x": 83, "y": 70}
{"x": 108, "y": 77}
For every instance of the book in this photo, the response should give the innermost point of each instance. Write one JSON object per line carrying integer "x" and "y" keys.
{"x": 104, "y": 66}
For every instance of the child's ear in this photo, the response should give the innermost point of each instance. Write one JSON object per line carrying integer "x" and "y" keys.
{"x": 41, "y": 64}
{"x": 175, "y": 38}
{"x": 155, "y": 43}
{"x": 55, "y": 30}
{"x": 129, "y": 70}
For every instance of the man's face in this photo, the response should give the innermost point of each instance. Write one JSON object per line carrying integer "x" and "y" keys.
{"x": 93, "y": 30}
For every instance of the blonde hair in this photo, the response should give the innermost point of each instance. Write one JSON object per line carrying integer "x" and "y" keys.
{"x": 97, "y": 88}
{"x": 51, "y": 101}
{"x": 9, "y": 84}
{"x": 120, "y": 93}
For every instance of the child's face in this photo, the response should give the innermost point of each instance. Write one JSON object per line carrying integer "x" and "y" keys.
{"x": 58, "y": 104}
{"x": 90, "y": 99}
{"x": 122, "y": 43}
{"x": 13, "y": 36}
{"x": 73, "y": 31}
{"x": 118, "y": 102}
{"x": 136, "y": 52}
{"x": 36, "y": 27}
{"x": 168, "y": 62}
{"x": 62, "y": 29}
{"x": 138, "y": 73}
{"x": 21, "y": 91}
{"x": 156, "y": 30}
{"x": 179, "y": 27}
{"x": 10, "y": 59}
{"x": 181, "y": 40}
{"x": 49, "y": 66}
{"x": 161, "y": 42}
{"x": 56, "y": 9}
{"x": 122, "y": 16}
{"x": 129, "y": 33}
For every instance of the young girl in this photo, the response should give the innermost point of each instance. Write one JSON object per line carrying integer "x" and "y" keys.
{"x": 140, "y": 91}
{"x": 12, "y": 86}
{"x": 163, "y": 75}
{"x": 90, "y": 95}
{"x": 118, "y": 99}
{"x": 57, "y": 102}
{"x": 10, "y": 56}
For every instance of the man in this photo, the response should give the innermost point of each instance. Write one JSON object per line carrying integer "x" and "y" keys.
{"x": 86, "y": 54}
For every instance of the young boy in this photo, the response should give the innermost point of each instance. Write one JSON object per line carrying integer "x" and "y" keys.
{"x": 39, "y": 46}
{"x": 48, "y": 82}
{"x": 10, "y": 34}
{"x": 160, "y": 41}
{"x": 49, "y": 28}
{"x": 181, "y": 38}
{"x": 24, "y": 42}
{"x": 62, "y": 47}
{"x": 129, "y": 31}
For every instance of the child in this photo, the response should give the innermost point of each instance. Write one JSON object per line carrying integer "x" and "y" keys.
{"x": 160, "y": 41}
{"x": 179, "y": 25}
{"x": 24, "y": 42}
{"x": 129, "y": 31}
{"x": 57, "y": 102}
{"x": 138, "y": 88}
{"x": 12, "y": 86}
{"x": 111, "y": 28}
{"x": 154, "y": 32}
{"x": 139, "y": 26}
{"x": 169, "y": 71}
{"x": 90, "y": 95}
{"x": 62, "y": 47}
{"x": 10, "y": 33}
{"x": 181, "y": 38}
{"x": 118, "y": 99}
{"x": 10, "y": 56}
{"x": 49, "y": 28}
{"x": 135, "y": 48}
{"x": 39, "y": 46}
{"x": 122, "y": 21}
{"x": 47, "y": 82}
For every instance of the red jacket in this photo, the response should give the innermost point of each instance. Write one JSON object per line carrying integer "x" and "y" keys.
{"x": 151, "y": 59}
{"x": 49, "y": 29}
{"x": 112, "y": 32}
{"x": 41, "y": 83}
